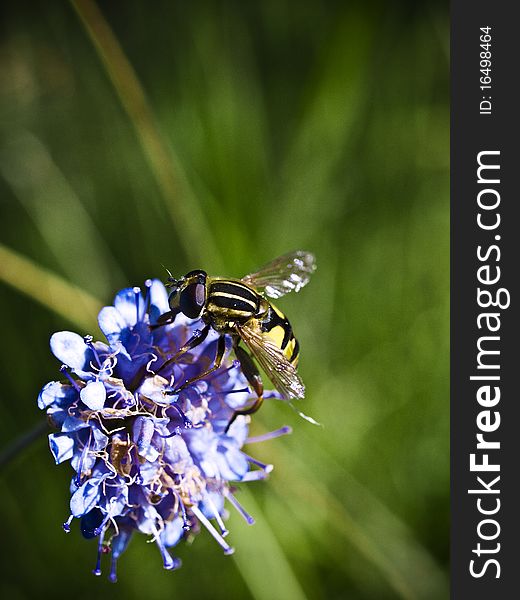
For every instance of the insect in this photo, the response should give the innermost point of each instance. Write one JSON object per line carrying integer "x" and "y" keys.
{"x": 239, "y": 308}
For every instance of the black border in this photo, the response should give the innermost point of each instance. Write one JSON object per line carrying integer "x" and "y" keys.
{"x": 471, "y": 133}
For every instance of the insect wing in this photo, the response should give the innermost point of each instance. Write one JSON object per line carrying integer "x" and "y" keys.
{"x": 272, "y": 360}
{"x": 287, "y": 273}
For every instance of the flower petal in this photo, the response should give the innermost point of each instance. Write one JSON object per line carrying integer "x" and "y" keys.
{"x": 62, "y": 446}
{"x": 142, "y": 433}
{"x": 117, "y": 500}
{"x": 100, "y": 440}
{"x": 172, "y": 532}
{"x": 73, "y": 424}
{"x": 111, "y": 322}
{"x": 70, "y": 349}
{"x": 130, "y": 305}
{"x": 212, "y": 504}
{"x": 237, "y": 400}
{"x": 239, "y": 430}
{"x": 85, "y": 498}
{"x": 56, "y": 393}
{"x": 232, "y": 463}
{"x": 83, "y": 463}
{"x": 147, "y": 518}
{"x": 158, "y": 300}
{"x": 94, "y": 395}
{"x": 148, "y": 471}
{"x": 56, "y": 416}
{"x": 152, "y": 388}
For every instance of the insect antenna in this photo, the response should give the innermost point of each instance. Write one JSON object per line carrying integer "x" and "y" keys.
{"x": 171, "y": 281}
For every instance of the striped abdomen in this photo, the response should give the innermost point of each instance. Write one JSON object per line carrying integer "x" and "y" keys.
{"x": 277, "y": 328}
{"x": 232, "y": 300}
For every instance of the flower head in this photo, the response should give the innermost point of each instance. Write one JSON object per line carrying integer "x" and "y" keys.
{"x": 152, "y": 440}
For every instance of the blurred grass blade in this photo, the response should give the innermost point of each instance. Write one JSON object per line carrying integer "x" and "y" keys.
{"x": 59, "y": 214}
{"x": 261, "y": 559}
{"x": 366, "y": 523}
{"x": 192, "y": 227}
{"x": 19, "y": 445}
{"x": 343, "y": 523}
{"x": 53, "y": 292}
{"x": 337, "y": 92}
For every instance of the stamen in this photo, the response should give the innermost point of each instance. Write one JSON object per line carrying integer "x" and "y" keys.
{"x": 137, "y": 293}
{"x": 176, "y": 431}
{"x": 217, "y": 516}
{"x": 97, "y": 570}
{"x": 66, "y": 525}
{"x": 269, "y": 436}
{"x": 224, "y": 545}
{"x": 147, "y": 296}
{"x": 101, "y": 527}
{"x": 112, "y": 577}
{"x": 88, "y": 341}
{"x": 119, "y": 544}
{"x": 265, "y": 467}
{"x": 169, "y": 563}
{"x": 186, "y": 525}
{"x": 65, "y": 370}
{"x": 257, "y": 475}
{"x": 241, "y": 510}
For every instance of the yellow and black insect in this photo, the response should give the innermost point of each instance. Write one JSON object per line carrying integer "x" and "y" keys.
{"x": 239, "y": 308}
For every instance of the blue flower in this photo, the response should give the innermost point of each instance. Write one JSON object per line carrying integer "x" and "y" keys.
{"x": 151, "y": 454}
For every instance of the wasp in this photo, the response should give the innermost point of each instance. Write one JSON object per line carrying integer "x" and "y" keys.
{"x": 239, "y": 308}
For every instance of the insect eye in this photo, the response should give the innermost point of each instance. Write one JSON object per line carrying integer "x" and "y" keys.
{"x": 173, "y": 299}
{"x": 196, "y": 276}
{"x": 193, "y": 299}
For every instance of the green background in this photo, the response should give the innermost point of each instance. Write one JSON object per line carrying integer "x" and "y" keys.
{"x": 218, "y": 136}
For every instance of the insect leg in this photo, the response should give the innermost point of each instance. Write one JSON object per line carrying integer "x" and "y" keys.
{"x": 193, "y": 342}
{"x": 252, "y": 375}
{"x": 250, "y": 370}
{"x": 165, "y": 319}
{"x": 219, "y": 356}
